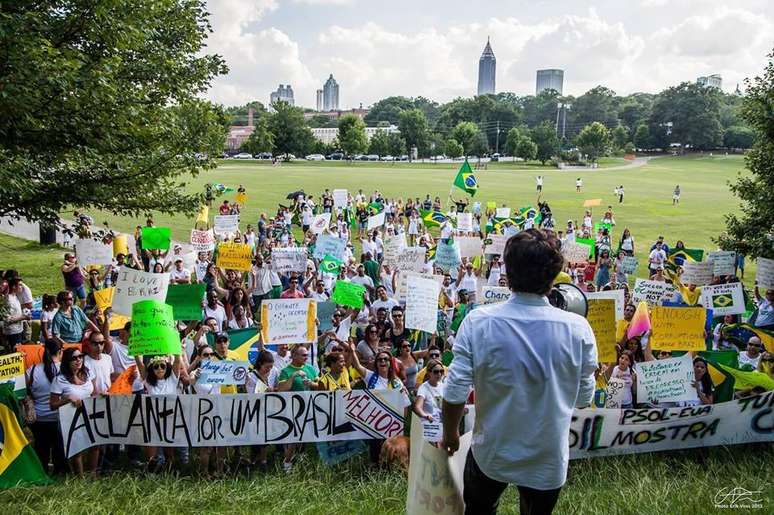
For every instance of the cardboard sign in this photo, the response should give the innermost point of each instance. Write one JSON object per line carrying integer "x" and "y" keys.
{"x": 288, "y": 321}
{"x": 333, "y": 453}
{"x": 288, "y": 259}
{"x": 592, "y": 202}
{"x": 422, "y": 304}
{"x": 156, "y": 238}
{"x": 12, "y": 371}
{"x": 93, "y": 252}
{"x": 495, "y": 244}
{"x": 340, "y": 198}
{"x": 652, "y": 292}
{"x": 202, "y": 241}
{"x": 329, "y": 245}
{"x": 666, "y": 380}
{"x": 393, "y": 246}
{"x": 223, "y": 372}
{"x": 375, "y": 221}
{"x": 503, "y": 212}
{"x": 235, "y": 256}
{"x": 470, "y": 246}
{"x": 465, "y": 222}
{"x": 723, "y": 262}
{"x": 696, "y": 272}
{"x": 724, "y": 299}
{"x": 320, "y": 223}
{"x": 226, "y": 224}
{"x": 411, "y": 259}
{"x": 575, "y": 252}
{"x": 615, "y": 393}
{"x": 186, "y": 300}
{"x": 629, "y": 264}
{"x": 601, "y": 317}
{"x": 135, "y": 285}
{"x": 325, "y": 311}
{"x": 677, "y": 328}
{"x": 494, "y": 294}
{"x": 619, "y": 296}
{"x": 153, "y": 329}
{"x": 765, "y": 274}
{"x": 104, "y": 299}
{"x": 121, "y": 244}
{"x": 402, "y": 283}
{"x": 348, "y": 294}
{"x": 447, "y": 255}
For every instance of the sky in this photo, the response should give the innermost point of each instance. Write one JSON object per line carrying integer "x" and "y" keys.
{"x": 376, "y": 49}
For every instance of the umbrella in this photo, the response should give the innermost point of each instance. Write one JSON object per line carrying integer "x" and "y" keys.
{"x": 293, "y": 195}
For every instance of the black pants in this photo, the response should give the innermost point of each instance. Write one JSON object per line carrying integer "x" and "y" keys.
{"x": 48, "y": 445}
{"x": 482, "y": 494}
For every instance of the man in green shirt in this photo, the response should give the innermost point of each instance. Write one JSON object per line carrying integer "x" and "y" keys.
{"x": 372, "y": 269}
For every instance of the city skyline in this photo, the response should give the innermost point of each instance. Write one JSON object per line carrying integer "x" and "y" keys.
{"x": 487, "y": 71}
{"x": 380, "y": 52}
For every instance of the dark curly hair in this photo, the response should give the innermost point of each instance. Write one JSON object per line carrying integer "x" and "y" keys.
{"x": 533, "y": 259}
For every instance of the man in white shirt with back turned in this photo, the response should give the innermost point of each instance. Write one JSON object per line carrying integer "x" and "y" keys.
{"x": 531, "y": 364}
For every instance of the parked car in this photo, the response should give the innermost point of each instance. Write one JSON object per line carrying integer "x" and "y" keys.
{"x": 364, "y": 157}
{"x": 335, "y": 156}
{"x": 264, "y": 155}
{"x": 315, "y": 157}
{"x": 495, "y": 157}
{"x": 288, "y": 157}
{"x": 388, "y": 158}
{"x": 404, "y": 157}
{"x": 243, "y": 155}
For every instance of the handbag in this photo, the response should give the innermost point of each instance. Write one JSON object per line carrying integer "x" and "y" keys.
{"x": 27, "y": 404}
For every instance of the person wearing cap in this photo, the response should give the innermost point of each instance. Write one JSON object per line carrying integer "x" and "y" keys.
{"x": 179, "y": 275}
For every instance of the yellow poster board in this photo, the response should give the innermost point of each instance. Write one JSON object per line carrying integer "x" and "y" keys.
{"x": 601, "y": 317}
{"x": 104, "y": 299}
{"x": 677, "y": 328}
{"x": 235, "y": 256}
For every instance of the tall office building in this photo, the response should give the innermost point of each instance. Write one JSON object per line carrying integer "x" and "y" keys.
{"x": 319, "y": 100}
{"x": 711, "y": 81}
{"x": 283, "y": 94}
{"x": 330, "y": 95}
{"x": 487, "y": 65}
{"x": 549, "y": 79}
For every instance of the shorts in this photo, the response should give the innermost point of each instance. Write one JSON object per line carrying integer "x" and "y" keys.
{"x": 79, "y": 291}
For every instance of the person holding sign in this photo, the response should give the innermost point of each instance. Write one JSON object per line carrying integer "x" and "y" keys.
{"x": 624, "y": 371}
{"x": 522, "y": 425}
{"x": 298, "y": 376}
{"x": 765, "y": 318}
{"x": 427, "y": 405}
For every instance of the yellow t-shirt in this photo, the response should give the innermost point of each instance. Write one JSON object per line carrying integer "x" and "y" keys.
{"x": 328, "y": 382}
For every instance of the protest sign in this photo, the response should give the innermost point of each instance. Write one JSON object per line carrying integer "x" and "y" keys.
{"x": 325, "y": 312}
{"x": 186, "y": 300}
{"x": 765, "y": 273}
{"x": 340, "y": 198}
{"x": 202, "y": 241}
{"x": 503, "y": 212}
{"x": 470, "y": 246}
{"x": 288, "y": 321}
{"x": 330, "y": 245}
{"x": 495, "y": 244}
{"x": 629, "y": 265}
{"x": 724, "y": 299}
{"x": 226, "y": 224}
{"x": 12, "y": 372}
{"x": 422, "y": 304}
{"x": 494, "y": 294}
{"x": 614, "y": 393}
{"x": 617, "y": 295}
{"x": 288, "y": 259}
{"x": 696, "y": 272}
{"x": 231, "y": 420}
{"x": 432, "y": 431}
{"x": 465, "y": 222}
{"x": 447, "y": 255}
{"x": 348, "y": 294}
{"x": 122, "y": 385}
{"x": 104, "y": 299}
{"x": 592, "y": 202}
{"x": 153, "y": 329}
{"x": 236, "y": 256}
{"x": 666, "y": 380}
{"x": 320, "y": 223}
{"x": 375, "y": 221}
{"x": 652, "y": 292}
{"x": 93, "y": 252}
{"x": 223, "y": 372}
{"x": 677, "y": 328}
{"x": 333, "y": 453}
{"x": 723, "y": 262}
{"x": 202, "y": 216}
{"x": 411, "y": 259}
{"x": 135, "y": 285}
{"x": 393, "y": 246}
{"x": 588, "y": 242}
{"x": 402, "y": 283}
{"x": 120, "y": 244}
{"x": 601, "y": 317}
{"x": 575, "y": 252}
{"x": 156, "y": 238}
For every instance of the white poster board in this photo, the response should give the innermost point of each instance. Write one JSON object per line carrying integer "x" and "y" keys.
{"x": 765, "y": 274}
{"x": 340, "y": 198}
{"x": 666, "y": 380}
{"x": 495, "y": 244}
{"x": 465, "y": 222}
{"x": 226, "y": 224}
{"x": 93, "y": 252}
{"x": 393, "y": 246}
{"x": 652, "y": 292}
{"x": 288, "y": 321}
{"x": 470, "y": 246}
{"x": 327, "y": 244}
{"x": 422, "y": 304}
{"x": 202, "y": 241}
{"x": 136, "y": 285}
{"x": 575, "y": 252}
{"x": 724, "y": 299}
{"x": 494, "y": 294}
{"x": 320, "y": 223}
{"x": 697, "y": 272}
{"x": 411, "y": 259}
{"x": 375, "y": 221}
{"x": 288, "y": 259}
{"x": 502, "y": 212}
{"x": 723, "y": 262}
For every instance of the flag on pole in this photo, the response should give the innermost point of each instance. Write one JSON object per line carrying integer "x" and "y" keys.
{"x": 465, "y": 179}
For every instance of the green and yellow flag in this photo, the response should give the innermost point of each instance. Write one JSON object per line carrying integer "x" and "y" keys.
{"x": 19, "y": 465}
{"x": 330, "y": 265}
{"x": 465, "y": 179}
{"x": 432, "y": 218}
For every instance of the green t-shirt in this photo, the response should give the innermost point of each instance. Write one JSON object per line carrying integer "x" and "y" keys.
{"x": 298, "y": 381}
{"x": 372, "y": 271}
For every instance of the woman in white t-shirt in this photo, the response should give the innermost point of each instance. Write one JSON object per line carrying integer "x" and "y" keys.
{"x": 74, "y": 384}
{"x": 427, "y": 404}
{"x": 624, "y": 371}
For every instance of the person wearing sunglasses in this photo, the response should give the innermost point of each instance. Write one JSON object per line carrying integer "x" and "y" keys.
{"x": 297, "y": 376}
{"x": 427, "y": 404}
{"x": 750, "y": 357}
{"x": 294, "y": 290}
{"x": 433, "y": 352}
{"x": 74, "y": 384}
{"x": 70, "y": 322}
{"x": 369, "y": 346}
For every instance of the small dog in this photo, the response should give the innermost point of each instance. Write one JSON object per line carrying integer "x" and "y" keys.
{"x": 396, "y": 451}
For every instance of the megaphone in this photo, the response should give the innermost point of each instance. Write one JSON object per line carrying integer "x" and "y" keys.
{"x": 569, "y": 297}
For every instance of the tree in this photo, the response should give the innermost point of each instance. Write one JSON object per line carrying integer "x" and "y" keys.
{"x": 540, "y": 108}
{"x": 751, "y": 232}
{"x": 544, "y": 136}
{"x": 526, "y": 149}
{"x": 101, "y": 107}
{"x": 388, "y": 110}
{"x": 642, "y": 137}
{"x": 238, "y": 115}
{"x": 593, "y": 140}
{"x": 322, "y": 121}
{"x": 515, "y": 135}
{"x": 352, "y": 138}
{"x": 379, "y": 144}
{"x": 413, "y": 129}
{"x": 291, "y": 133}
{"x": 596, "y": 105}
{"x": 738, "y": 136}
{"x": 628, "y": 148}
{"x": 453, "y": 149}
{"x": 688, "y": 114}
{"x": 620, "y": 136}
{"x": 261, "y": 140}
{"x": 395, "y": 144}
{"x": 469, "y": 136}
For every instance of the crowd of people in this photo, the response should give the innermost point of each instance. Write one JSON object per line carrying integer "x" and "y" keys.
{"x": 371, "y": 348}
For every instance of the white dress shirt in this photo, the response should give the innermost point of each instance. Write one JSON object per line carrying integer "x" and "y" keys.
{"x": 530, "y": 364}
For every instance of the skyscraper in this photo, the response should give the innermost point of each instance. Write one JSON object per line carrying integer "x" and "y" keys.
{"x": 486, "y": 70}
{"x": 711, "y": 81}
{"x": 330, "y": 94}
{"x": 284, "y": 94}
{"x": 319, "y": 100}
{"x": 549, "y": 79}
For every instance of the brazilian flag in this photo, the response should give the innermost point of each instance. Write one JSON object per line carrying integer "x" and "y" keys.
{"x": 19, "y": 465}
{"x": 723, "y": 381}
{"x": 465, "y": 180}
{"x": 330, "y": 265}
{"x": 432, "y": 218}
{"x": 740, "y": 333}
{"x": 431, "y": 252}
